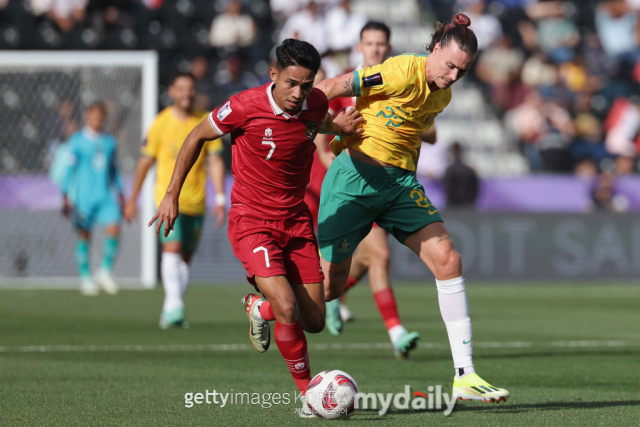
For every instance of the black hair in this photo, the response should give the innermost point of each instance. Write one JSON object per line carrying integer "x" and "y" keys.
{"x": 97, "y": 104}
{"x": 294, "y": 52}
{"x": 182, "y": 74}
{"x": 379, "y": 26}
{"x": 458, "y": 30}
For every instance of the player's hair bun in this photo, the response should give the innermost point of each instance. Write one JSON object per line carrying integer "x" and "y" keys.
{"x": 461, "y": 19}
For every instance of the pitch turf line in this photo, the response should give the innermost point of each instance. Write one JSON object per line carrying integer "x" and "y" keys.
{"x": 336, "y": 346}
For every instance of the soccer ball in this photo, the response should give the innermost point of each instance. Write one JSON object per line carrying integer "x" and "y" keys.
{"x": 332, "y": 395}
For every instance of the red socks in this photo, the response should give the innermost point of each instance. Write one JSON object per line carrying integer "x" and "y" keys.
{"x": 266, "y": 312}
{"x": 292, "y": 344}
{"x": 387, "y": 306}
{"x": 351, "y": 282}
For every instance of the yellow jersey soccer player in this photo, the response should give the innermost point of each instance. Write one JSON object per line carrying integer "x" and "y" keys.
{"x": 373, "y": 179}
{"x": 162, "y": 145}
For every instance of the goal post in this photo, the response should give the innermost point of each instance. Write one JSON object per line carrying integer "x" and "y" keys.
{"x": 43, "y": 96}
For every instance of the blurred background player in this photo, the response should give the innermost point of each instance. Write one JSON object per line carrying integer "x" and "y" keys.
{"x": 163, "y": 143}
{"x": 270, "y": 226}
{"x": 92, "y": 181}
{"x": 373, "y": 180}
{"x": 372, "y": 255}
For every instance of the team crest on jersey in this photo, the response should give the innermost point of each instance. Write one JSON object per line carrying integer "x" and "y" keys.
{"x": 374, "y": 80}
{"x": 344, "y": 246}
{"x": 268, "y": 133}
{"x": 224, "y": 111}
{"x": 312, "y": 129}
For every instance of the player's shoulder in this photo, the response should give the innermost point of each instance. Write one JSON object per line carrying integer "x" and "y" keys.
{"x": 411, "y": 61}
{"x": 162, "y": 118}
{"x": 445, "y": 96}
{"x": 317, "y": 100}
{"x": 200, "y": 114}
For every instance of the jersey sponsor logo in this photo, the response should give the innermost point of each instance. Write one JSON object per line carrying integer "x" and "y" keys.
{"x": 224, "y": 111}
{"x": 312, "y": 129}
{"x": 374, "y": 80}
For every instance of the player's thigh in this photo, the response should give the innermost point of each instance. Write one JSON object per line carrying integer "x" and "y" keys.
{"x": 433, "y": 244}
{"x": 373, "y": 249}
{"x": 173, "y": 241}
{"x": 84, "y": 217}
{"x": 409, "y": 209}
{"x": 347, "y": 211}
{"x": 310, "y": 298}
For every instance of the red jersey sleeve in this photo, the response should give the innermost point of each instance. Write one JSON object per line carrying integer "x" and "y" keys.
{"x": 229, "y": 117}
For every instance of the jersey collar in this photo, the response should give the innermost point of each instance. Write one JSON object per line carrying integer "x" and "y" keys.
{"x": 90, "y": 133}
{"x": 279, "y": 111}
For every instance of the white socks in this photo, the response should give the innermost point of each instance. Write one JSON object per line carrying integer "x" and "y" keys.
{"x": 454, "y": 308}
{"x": 184, "y": 275}
{"x": 172, "y": 281}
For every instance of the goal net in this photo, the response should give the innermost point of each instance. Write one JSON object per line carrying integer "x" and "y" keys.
{"x": 43, "y": 97}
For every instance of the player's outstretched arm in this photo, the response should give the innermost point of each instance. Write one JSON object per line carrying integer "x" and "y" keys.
{"x": 168, "y": 210}
{"x": 344, "y": 85}
{"x": 346, "y": 123}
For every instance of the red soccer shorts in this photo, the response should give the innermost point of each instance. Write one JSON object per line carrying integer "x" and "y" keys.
{"x": 273, "y": 247}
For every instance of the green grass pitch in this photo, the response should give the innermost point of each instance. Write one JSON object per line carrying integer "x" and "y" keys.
{"x": 568, "y": 354}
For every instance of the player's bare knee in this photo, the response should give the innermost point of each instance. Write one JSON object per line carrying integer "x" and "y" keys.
{"x": 449, "y": 265}
{"x": 286, "y": 311}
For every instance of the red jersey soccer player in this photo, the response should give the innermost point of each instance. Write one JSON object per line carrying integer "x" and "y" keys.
{"x": 270, "y": 226}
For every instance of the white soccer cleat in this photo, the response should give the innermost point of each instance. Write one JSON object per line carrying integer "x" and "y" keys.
{"x": 305, "y": 411}
{"x": 89, "y": 288}
{"x": 106, "y": 282}
{"x": 345, "y": 314}
{"x": 259, "y": 329}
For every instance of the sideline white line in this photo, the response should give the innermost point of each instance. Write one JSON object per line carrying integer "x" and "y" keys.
{"x": 334, "y": 346}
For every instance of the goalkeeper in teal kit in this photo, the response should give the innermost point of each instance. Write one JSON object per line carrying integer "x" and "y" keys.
{"x": 93, "y": 182}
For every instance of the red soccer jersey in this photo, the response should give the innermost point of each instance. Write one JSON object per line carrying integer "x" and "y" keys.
{"x": 272, "y": 152}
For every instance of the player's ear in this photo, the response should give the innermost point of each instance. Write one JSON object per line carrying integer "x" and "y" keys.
{"x": 359, "y": 47}
{"x": 273, "y": 73}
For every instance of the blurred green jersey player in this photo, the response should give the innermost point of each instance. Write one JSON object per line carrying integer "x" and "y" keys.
{"x": 93, "y": 182}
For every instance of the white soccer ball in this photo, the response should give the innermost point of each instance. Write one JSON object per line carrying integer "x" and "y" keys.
{"x": 332, "y": 395}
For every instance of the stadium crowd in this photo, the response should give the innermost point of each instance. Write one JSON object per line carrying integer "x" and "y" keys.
{"x": 563, "y": 77}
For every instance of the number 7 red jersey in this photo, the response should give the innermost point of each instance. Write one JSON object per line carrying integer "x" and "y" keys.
{"x": 272, "y": 150}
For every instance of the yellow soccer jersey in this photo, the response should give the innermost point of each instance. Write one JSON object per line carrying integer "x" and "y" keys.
{"x": 397, "y": 106}
{"x": 163, "y": 143}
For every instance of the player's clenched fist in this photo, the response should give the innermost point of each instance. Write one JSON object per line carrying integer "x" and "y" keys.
{"x": 349, "y": 122}
{"x": 167, "y": 214}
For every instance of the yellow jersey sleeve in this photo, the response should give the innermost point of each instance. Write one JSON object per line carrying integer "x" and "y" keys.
{"x": 152, "y": 142}
{"x": 391, "y": 78}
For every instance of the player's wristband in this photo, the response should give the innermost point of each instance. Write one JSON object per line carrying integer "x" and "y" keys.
{"x": 221, "y": 200}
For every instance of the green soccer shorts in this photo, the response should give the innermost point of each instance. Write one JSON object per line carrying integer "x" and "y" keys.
{"x": 186, "y": 230}
{"x": 356, "y": 194}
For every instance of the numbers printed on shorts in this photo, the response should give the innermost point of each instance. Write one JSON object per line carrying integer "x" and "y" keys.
{"x": 423, "y": 201}
{"x": 262, "y": 248}
{"x": 273, "y": 147}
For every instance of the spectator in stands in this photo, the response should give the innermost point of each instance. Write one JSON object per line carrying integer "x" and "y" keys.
{"x": 486, "y": 26}
{"x": 557, "y": 35}
{"x": 233, "y": 79}
{"x": 65, "y": 13}
{"x": 205, "y": 88}
{"x": 589, "y": 142}
{"x": 623, "y": 133}
{"x": 619, "y": 32}
{"x": 499, "y": 67}
{"x": 461, "y": 182}
{"x": 232, "y": 29}
{"x": 604, "y": 197}
{"x": 343, "y": 27}
{"x": 307, "y": 25}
